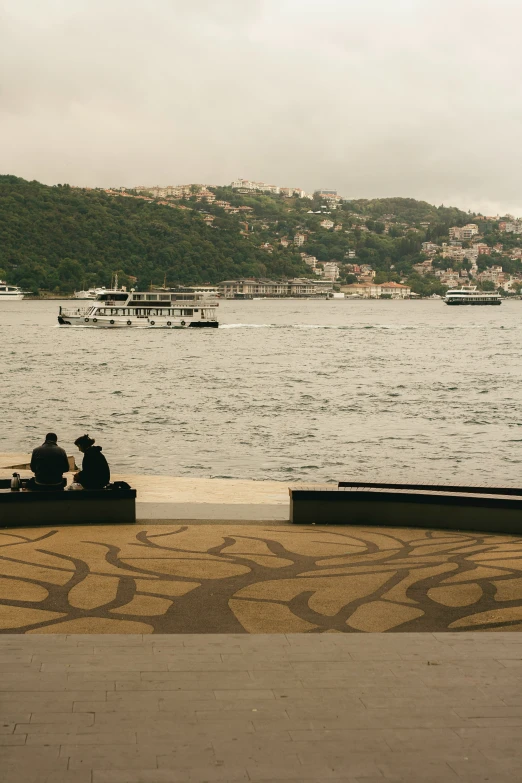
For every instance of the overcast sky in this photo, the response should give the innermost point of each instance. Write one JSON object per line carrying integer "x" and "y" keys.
{"x": 418, "y": 98}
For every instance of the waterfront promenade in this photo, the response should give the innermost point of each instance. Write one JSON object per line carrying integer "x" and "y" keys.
{"x": 248, "y": 649}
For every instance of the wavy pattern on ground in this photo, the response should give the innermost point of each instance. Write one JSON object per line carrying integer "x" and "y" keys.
{"x": 256, "y": 579}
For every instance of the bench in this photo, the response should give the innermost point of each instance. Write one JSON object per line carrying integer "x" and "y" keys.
{"x": 100, "y": 507}
{"x": 446, "y": 507}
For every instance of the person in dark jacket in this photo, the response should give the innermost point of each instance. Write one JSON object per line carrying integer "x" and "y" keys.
{"x": 95, "y": 472}
{"x": 48, "y": 462}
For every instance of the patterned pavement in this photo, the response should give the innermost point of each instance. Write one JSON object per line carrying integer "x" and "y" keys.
{"x": 256, "y": 579}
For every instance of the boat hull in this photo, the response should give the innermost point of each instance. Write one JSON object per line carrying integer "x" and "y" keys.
{"x": 476, "y": 304}
{"x": 132, "y": 323}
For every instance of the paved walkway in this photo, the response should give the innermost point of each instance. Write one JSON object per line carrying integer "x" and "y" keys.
{"x": 310, "y": 708}
{"x": 256, "y": 579}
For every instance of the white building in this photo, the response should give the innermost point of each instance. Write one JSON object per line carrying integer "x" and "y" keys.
{"x": 249, "y": 185}
{"x": 378, "y": 290}
{"x": 430, "y": 248}
{"x": 326, "y": 223}
{"x": 464, "y": 232}
{"x": 331, "y": 271}
{"x": 248, "y": 288}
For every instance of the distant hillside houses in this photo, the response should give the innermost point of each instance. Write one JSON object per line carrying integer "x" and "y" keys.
{"x": 249, "y": 186}
{"x": 511, "y": 226}
{"x": 178, "y": 191}
{"x": 463, "y": 232}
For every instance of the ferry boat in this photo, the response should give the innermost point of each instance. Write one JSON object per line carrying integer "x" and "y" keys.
{"x": 468, "y": 295}
{"x": 10, "y": 293}
{"x": 161, "y": 308}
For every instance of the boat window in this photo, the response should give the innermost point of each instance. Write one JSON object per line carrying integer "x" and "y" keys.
{"x": 164, "y": 297}
{"x": 138, "y": 297}
{"x": 152, "y": 297}
{"x": 187, "y": 312}
{"x": 176, "y": 312}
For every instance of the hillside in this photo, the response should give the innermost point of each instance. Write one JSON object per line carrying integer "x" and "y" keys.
{"x": 60, "y": 238}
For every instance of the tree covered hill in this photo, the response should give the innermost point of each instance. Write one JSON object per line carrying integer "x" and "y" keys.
{"x": 60, "y": 238}
{"x": 409, "y": 211}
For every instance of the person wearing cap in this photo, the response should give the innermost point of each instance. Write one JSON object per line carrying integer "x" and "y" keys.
{"x": 49, "y": 462}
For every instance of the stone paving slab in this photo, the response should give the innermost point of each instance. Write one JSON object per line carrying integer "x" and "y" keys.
{"x": 454, "y": 713}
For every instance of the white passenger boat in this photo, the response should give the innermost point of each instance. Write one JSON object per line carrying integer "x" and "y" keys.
{"x": 162, "y": 308}
{"x": 468, "y": 295}
{"x": 10, "y": 293}
{"x": 89, "y": 293}
{"x": 94, "y": 293}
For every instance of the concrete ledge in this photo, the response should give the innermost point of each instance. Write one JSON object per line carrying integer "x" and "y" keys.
{"x": 484, "y": 489}
{"x": 406, "y": 508}
{"x": 67, "y": 508}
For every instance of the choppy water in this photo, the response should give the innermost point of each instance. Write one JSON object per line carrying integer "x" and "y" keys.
{"x": 299, "y": 391}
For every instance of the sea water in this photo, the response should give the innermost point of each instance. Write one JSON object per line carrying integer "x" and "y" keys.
{"x": 290, "y": 390}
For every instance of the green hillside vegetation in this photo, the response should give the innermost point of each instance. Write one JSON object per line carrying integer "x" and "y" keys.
{"x": 60, "y": 238}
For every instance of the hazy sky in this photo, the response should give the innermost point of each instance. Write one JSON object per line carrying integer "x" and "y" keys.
{"x": 418, "y": 98}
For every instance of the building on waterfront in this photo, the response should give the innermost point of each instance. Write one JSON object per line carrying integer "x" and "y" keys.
{"x": 378, "y": 290}
{"x": 299, "y": 239}
{"x": 274, "y": 289}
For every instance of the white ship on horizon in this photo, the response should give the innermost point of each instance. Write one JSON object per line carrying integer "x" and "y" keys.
{"x": 11, "y": 293}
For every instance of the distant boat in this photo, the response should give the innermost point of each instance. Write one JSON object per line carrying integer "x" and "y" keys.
{"x": 468, "y": 295}
{"x": 89, "y": 293}
{"x": 11, "y": 293}
{"x": 94, "y": 293}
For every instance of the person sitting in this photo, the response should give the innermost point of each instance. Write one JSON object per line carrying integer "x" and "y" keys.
{"x": 48, "y": 462}
{"x": 95, "y": 472}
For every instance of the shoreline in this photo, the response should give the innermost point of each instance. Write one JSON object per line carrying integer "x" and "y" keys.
{"x": 171, "y": 498}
